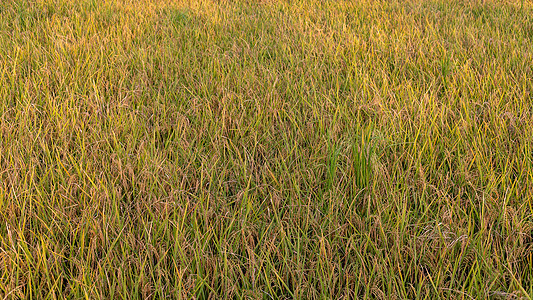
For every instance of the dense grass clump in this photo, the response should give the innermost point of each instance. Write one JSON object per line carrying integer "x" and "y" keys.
{"x": 266, "y": 149}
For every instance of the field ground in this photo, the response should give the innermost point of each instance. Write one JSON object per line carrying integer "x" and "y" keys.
{"x": 266, "y": 149}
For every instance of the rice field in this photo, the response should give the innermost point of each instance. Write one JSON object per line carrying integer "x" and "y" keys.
{"x": 282, "y": 149}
